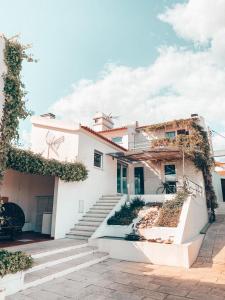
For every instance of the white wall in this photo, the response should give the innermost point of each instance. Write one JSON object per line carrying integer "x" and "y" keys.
{"x": 22, "y": 189}
{"x": 193, "y": 218}
{"x": 99, "y": 182}
{"x": 2, "y": 71}
{"x": 44, "y": 130}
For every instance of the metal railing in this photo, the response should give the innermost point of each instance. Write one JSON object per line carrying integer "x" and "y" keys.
{"x": 193, "y": 187}
{"x": 138, "y": 146}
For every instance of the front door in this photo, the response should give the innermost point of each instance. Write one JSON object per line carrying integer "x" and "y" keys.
{"x": 223, "y": 188}
{"x": 121, "y": 178}
{"x": 44, "y": 204}
{"x": 139, "y": 180}
{"x": 170, "y": 178}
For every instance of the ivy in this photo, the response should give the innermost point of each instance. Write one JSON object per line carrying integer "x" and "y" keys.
{"x": 29, "y": 162}
{"x": 14, "y": 110}
{"x": 14, "y": 107}
{"x": 197, "y": 148}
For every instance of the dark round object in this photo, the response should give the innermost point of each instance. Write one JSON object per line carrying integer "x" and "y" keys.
{"x": 13, "y": 216}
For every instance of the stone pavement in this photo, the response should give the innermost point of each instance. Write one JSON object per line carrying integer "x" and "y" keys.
{"x": 114, "y": 279}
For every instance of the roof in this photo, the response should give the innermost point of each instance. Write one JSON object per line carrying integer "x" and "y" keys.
{"x": 113, "y": 129}
{"x": 102, "y": 137}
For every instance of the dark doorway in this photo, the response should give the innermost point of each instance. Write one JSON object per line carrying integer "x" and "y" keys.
{"x": 139, "y": 180}
{"x": 223, "y": 188}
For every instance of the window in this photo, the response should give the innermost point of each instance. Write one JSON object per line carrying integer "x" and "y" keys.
{"x": 182, "y": 131}
{"x": 170, "y": 170}
{"x": 98, "y": 159}
{"x": 117, "y": 140}
{"x": 170, "y": 134}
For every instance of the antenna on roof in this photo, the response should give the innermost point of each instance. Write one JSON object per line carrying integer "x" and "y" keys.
{"x": 109, "y": 116}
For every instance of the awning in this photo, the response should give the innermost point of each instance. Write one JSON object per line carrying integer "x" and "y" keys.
{"x": 153, "y": 154}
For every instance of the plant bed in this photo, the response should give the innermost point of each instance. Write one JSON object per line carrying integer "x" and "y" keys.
{"x": 12, "y": 265}
{"x": 169, "y": 214}
{"x": 128, "y": 212}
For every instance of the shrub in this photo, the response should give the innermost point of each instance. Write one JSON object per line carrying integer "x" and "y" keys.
{"x": 13, "y": 262}
{"x": 170, "y": 212}
{"x": 127, "y": 213}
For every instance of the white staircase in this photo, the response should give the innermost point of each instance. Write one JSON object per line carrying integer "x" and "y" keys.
{"x": 57, "y": 263}
{"x": 94, "y": 217}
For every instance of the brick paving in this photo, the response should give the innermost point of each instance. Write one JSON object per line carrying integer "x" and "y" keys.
{"x": 114, "y": 279}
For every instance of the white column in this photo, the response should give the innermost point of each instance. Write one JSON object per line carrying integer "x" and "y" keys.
{"x": 2, "y": 71}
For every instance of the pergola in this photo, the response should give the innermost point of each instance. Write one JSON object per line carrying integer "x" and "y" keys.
{"x": 151, "y": 154}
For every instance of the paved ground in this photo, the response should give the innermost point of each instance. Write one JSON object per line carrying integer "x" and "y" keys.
{"x": 122, "y": 280}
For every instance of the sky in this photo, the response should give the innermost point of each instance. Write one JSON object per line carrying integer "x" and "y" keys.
{"x": 142, "y": 60}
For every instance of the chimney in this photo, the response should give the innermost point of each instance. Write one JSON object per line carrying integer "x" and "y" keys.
{"x": 194, "y": 115}
{"x": 48, "y": 116}
{"x": 102, "y": 122}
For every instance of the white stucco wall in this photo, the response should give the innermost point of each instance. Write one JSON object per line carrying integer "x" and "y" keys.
{"x": 2, "y": 71}
{"x": 100, "y": 181}
{"x": 45, "y": 130}
{"x": 23, "y": 188}
{"x": 194, "y": 216}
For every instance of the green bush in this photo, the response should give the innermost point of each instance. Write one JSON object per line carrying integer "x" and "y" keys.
{"x": 127, "y": 213}
{"x": 13, "y": 262}
{"x": 29, "y": 162}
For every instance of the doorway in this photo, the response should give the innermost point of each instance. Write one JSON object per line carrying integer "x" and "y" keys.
{"x": 122, "y": 170}
{"x": 44, "y": 205}
{"x": 139, "y": 181}
{"x": 223, "y": 188}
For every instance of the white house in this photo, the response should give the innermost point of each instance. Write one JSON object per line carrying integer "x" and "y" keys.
{"x": 120, "y": 161}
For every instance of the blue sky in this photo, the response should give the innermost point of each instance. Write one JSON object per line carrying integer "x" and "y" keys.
{"x": 74, "y": 39}
{"x": 114, "y": 54}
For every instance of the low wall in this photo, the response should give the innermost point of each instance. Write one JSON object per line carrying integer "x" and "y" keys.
{"x": 194, "y": 216}
{"x": 12, "y": 283}
{"x": 154, "y": 197}
{"x": 182, "y": 255}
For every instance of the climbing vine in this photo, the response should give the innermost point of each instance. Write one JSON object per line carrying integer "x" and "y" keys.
{"x": 14, "y": 110}
{"x": 197, "y": 148}
{"x": 29, "y": 162}
{"x": 14, "y": 107}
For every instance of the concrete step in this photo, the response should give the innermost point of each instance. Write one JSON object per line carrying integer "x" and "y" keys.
{"x": 102, "y": 203}
{"x": 114, "y": 199}
{"x": 111, "y": 196}
{"x": 89, "y": 223}
{"x": 81, "y": 232}
{"x": 92, "y": 218}
{"x": 61, "y": 269}
{"x": 84, "y": 227}
{"x": 102, "y": 208}
{"x": 76, "y": 237}
{"x": 98, "y": 211}
{"x": 60, "y": 257}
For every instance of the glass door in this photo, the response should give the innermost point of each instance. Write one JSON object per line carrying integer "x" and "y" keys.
{"x": 139, "y": 180}
{"x": 122, "y": 178}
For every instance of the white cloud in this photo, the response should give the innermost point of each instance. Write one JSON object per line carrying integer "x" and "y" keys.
{"x": 197, "y": 20}
{"x": 178, "y": 83}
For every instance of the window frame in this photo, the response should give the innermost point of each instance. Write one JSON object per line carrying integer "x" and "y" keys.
{"x": 97, "y": 152}
{"x": 117, "y": 137}
{"x": 170, "y": 137}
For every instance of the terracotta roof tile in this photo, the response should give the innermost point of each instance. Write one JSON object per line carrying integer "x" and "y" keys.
{"x": 102, "y": 137}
